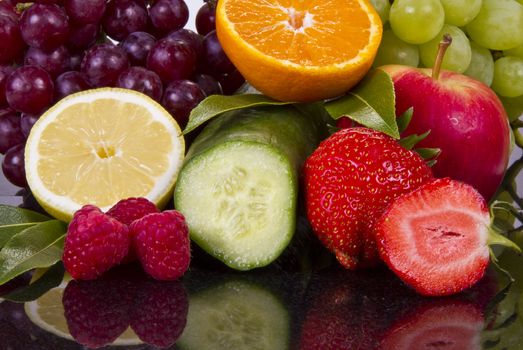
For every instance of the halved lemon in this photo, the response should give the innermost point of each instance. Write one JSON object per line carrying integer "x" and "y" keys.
{"x": 47, "y": 312}
{"x": 99, "y": 146}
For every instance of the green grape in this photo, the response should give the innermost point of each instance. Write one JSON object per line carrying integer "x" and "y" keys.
{"x": 383, "y": 8}
{"x": 416, "y": 21}
{"x": 498, "y": 26}
{"x": 481, "y": 65}
{"x": 513, "y": 106}
{"x": 517, "y": 51}
{"x": 458, "y": 55}
{"x": 460, "y": 12}
{"x": 393, "y": 50}
{"x": 508, "y": 76}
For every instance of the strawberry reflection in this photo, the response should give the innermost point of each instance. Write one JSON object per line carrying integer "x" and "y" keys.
{"x": 374, "y": 310}
{"x": 446, "y": 324}
{"x": 99, "y": 311}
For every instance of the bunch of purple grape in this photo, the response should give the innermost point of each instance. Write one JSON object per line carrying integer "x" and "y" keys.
{"x": 52, "y": 48}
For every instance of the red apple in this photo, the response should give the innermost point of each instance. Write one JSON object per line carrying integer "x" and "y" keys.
{"x": 466, "y": 119}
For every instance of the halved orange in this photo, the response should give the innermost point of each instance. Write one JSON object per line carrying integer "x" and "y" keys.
{"x": 300, "y": 50}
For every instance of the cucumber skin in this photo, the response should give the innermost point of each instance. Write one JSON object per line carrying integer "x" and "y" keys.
{"x": 290, "y": 133}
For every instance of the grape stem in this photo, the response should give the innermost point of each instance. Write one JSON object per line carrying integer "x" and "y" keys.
{"x": 443, "y": 46}
{"x": 22, "y": 6}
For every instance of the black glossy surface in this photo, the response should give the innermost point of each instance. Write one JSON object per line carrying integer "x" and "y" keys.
{"x": 306, "y": 301}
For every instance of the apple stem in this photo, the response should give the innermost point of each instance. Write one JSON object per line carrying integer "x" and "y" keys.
{"x": 443, "y": 46}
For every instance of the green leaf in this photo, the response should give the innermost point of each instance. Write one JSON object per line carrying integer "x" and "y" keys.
{"x": 371, "y": 103}
{"x": 38, "y": 246}
{"x": 431, "y": 163}
{"x": 14, "y": 215}
{"x": 404, "y": 120}
{"x": 8, "y": 231}
{"x": 51, "y": 278}
{"x": 15, "y": 220}
{"x": 428, "y": 153}
{"x": 412, "y": 140}
{"x": 215, "y": 105}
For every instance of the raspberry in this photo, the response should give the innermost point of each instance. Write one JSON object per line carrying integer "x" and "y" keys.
{"x": 162, "y": 244}
{"x": 130, "y": 209}
{"x": 95, "y": 242}
{"x": 95, "y": 311}
{"x": 160, "y": 313}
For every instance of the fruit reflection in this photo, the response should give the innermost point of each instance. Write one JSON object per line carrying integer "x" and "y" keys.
{"x": 236, "y": 313}
{"x": 375, "y": 310}
{"x": 444, "y": 324}
{"x": 119, "y": 309}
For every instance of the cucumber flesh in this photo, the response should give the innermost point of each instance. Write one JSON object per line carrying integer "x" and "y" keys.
{"x": 235, "y": 315}
{"x": 238, "y": 200}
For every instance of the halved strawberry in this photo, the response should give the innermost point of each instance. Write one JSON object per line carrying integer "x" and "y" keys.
{"x": 436, "y": 238}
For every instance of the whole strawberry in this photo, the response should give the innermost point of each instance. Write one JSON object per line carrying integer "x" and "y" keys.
{"x": 349, "y": 181}
{"x": 162, "y": 244}
{"x": 94, "y": 243}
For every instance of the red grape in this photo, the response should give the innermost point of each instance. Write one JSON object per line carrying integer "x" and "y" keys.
{"x": 141, "y": 80}
{"x": 11, "y": 42}
{"x": 53, "y": 62}
{"x": 81, "y": 36}
{"x": 103, "y": 63}
{"x": 29, "y": 89}
{"x": 9, "y": 11}
{"x": 68, "y": 83}
{"x": 10, "y": 131}
{"x": 13, "y": 166}
{"x": 5, "y": 71}
{"x": 215, "y": 58}
{"x": 75, "y": 60}
{"x": 26, "y": 123}
{"x": 206, "y": 18}
{"x": 180, "y": 97}
{"x": 172, "y": 60}
{"x": 194, "y": 40}
{"x": 137, "y": 45}
{"x": 169, "y": 15}
{"x": 85, "y": 11}
{"x": 231, "y": 82}
{"x": 45, "y": 26}
{"x": 123, "y": 17}
{"x": 208, "y": 84}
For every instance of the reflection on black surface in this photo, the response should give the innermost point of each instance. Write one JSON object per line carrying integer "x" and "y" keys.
{"x": 331, "y": 309}
{"x": 441, "y": 324}
{"x": 375, "y": 310}
{"x": 236, "y": 312}
{"x": 99, "y": 311}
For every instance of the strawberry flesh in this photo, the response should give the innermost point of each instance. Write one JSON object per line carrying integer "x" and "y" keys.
{"x": 435, "y": 238}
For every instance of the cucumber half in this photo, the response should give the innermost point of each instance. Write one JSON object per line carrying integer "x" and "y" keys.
{"x": 237, "y": 199}
{"x": 236, "y": 315}
{"x": 238, "y": 188}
